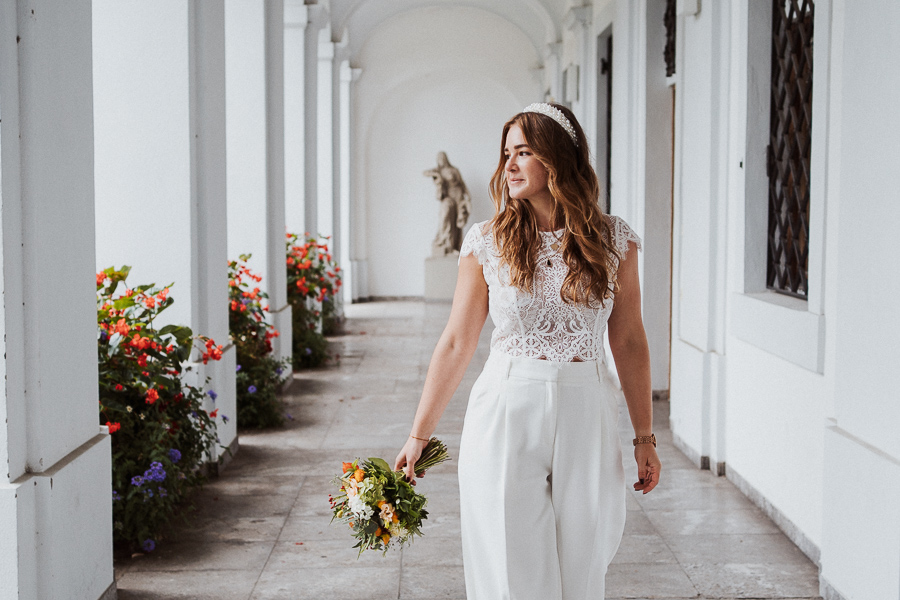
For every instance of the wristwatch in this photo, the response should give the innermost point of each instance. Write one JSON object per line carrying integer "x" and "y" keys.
{"x": 646, "y": 439}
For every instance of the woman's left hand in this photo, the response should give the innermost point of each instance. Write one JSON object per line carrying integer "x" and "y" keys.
{"x": 648, "y": 467}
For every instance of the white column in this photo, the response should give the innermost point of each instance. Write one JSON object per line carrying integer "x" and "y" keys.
{"x": 325, "y": 137}
{"x": 55, "y": 480}
{"x": 159, "y": 120}
{"x": 347, "y": 201}
{"x": 254, "y": 48}
{"x": 276, "y": 269}
{"x": 295, "y": 22}
{"x": 316, "y": 17}
{"x": 578, "y": 20}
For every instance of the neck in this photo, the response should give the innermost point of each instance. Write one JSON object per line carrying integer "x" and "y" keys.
{"x": 542, "y": 204}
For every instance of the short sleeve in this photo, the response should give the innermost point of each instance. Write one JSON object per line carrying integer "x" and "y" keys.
{"x": 474, "y": 244}
{"x": 622, "y": 234}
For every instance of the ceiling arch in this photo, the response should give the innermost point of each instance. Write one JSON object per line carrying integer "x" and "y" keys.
{"x": 539, "y": 20}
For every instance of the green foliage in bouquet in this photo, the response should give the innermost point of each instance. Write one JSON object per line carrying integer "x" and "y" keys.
{"x": 379, "y": 506}
{"x": 160, "y": 432}
{"x": 312, "y": 275}
{"x": 259, "y": 373}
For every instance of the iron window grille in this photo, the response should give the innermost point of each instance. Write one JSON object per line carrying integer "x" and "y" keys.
{"x": 788, "y": 155}
{"x": 669, "y": 51}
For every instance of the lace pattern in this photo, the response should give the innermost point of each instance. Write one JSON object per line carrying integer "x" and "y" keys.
{"x": 539, "y": 324}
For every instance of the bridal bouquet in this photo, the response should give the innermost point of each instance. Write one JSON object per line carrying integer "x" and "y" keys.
{"x": 381, "y": 508}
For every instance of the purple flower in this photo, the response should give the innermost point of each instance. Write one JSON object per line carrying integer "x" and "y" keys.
{"x": 309, "y": 351}
{"x": 155, "y": 472}
{"x": 148, "y": 545}
{"x": 162, "y": 492}
{"x": 252, "y": 389}
{"x": 225, "y": 419}
{"x": 237, "y": 368}
{"x": 137, "y": 481}
{"x": 116, "y": 495}
{"x": 279, "y": 371}
{"x": 289, "y": 416}
{"x": 245, "y": 301}
{"x": 174, "y": 455}
{"x": 212, "y": 394}
{"x": 104, "y": 336}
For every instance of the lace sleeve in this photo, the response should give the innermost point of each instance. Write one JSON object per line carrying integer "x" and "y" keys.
{"x": 474, "y": 244}
{"x": 622, "y": 234}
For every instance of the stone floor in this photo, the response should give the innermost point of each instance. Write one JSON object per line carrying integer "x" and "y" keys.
{"x": 261, "y": 530}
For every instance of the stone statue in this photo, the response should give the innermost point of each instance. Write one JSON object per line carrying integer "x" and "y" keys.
{"x": 456, "y": 204}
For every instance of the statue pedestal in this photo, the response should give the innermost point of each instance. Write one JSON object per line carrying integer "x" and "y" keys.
{"x": 440, "y": 277}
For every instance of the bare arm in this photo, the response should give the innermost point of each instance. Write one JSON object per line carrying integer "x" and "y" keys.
{"x": 628, "y": 342}
{"x": 451, "y": 357}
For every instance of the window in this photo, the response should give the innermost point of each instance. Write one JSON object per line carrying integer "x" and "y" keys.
{"x": 788, "y": 156}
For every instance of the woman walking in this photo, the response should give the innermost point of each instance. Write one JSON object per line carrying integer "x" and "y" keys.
{"x": 542, "y": 487}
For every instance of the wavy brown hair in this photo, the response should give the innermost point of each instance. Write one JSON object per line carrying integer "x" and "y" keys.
{"x": 587, "y": 247}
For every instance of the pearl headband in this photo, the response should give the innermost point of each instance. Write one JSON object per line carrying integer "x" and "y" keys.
{"x": 555, "y": 114}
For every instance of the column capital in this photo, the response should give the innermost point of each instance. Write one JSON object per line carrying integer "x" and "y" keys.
{"x": 578, "y": 15}
{"x": 350, "y": 74}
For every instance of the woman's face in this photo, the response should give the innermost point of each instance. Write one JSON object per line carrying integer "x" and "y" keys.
{"x": 526, "y": 176}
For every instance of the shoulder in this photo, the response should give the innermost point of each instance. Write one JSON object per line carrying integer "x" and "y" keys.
{"x": 476, "y": 241}
{"x": 622, "y": 234}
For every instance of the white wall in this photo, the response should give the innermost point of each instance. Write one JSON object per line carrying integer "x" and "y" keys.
{"x": 142, "y": 151}
{"x": 246, "y": 131}
{"x": 861, "y": 550}
{"x": 423, "y": 90}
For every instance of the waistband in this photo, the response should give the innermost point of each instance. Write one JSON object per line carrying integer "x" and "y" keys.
{"x": 544, "y": 370}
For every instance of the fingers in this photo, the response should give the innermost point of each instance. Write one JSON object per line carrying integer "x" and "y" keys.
{"x": 399, "y": 462}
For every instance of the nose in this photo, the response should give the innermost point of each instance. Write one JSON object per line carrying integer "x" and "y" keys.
{"x": 511, "y": 163}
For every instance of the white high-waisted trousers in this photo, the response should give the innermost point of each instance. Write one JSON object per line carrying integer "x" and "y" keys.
{"x": 541, "y": 483}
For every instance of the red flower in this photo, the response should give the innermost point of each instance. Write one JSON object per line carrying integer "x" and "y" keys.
{"x": 101, "y": 277}
{"x": 152, "y": 396}
{"x": 149, "y": 302}
{"x": 122, "y": 327}
{"x": 119, "y": 387}
{"x": 113, "y": 427}
{"x": 142, "y": 360}
{"x": 214, "y": 414}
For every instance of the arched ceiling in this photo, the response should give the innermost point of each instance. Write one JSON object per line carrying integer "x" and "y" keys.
{"x": 539, "y": 20}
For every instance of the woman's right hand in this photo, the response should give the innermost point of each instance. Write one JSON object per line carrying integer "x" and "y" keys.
{"x": 409, "y": 454}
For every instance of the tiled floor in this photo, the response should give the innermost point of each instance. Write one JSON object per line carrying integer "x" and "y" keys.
{"x": 262, "y": 529}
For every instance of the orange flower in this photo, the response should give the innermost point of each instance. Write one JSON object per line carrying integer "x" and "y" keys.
{"x": 150, "y": 302}
{"x": 386, "y": 538}
{"x": 129, "y": 293}
{"x": 101, "y": 277}
{"x": 359, "y": 474}
{"x": 122, "y": 327}
{"x": 348, "y": 466}
{"x": 152, "y": 396}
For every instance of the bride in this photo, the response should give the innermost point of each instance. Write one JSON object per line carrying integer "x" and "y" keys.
{"x": 542, "y": 487}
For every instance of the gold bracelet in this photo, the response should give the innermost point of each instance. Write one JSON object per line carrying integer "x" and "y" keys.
{"x": 418, "y": 438}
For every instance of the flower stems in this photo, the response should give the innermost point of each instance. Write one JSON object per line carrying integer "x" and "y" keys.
{"x": 434, "y": 453}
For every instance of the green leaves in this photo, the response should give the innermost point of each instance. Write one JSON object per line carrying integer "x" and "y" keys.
{"x": 381, "y": 464}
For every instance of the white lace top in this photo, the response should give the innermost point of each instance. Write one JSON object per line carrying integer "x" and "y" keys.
{"x": 540, "y": 324}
